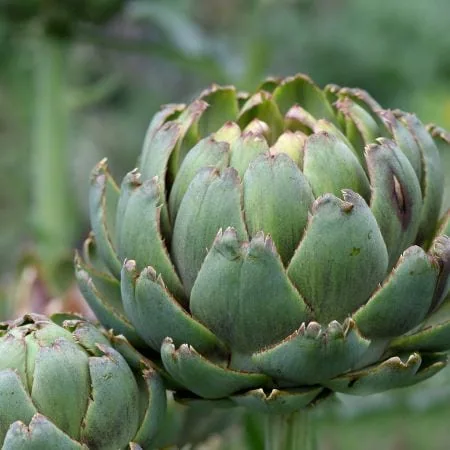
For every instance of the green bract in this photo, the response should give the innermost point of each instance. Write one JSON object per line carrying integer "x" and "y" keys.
{"x": 66, "y": 386}
{"x": 277, "y": 247}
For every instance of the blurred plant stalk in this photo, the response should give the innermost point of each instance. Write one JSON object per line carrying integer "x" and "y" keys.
{"x": 289, "y": 432}
{"x": 53, "y": 214}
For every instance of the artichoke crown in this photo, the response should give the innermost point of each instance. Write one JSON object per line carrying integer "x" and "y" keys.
{"x": 287, "y": 240}
{"x": 65, "y": 384}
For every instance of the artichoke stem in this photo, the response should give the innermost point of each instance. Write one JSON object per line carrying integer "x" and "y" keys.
{"x": 52, "y": 212}
{"x": 289, "y": 432}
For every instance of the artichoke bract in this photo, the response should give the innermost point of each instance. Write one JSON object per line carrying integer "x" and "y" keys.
{"x": 277, "y": 247}
{"x": 66, "y": 385}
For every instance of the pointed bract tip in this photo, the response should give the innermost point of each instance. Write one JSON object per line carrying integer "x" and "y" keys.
{"x": 350, "y": 197}
{"x": 439, "y": 132}
{"x": 168, "y": 341}
{"x": 214, "y": 87}
{"x": 196, "y": 108}
{"x": 77, "y": 261}
{"x": 348, "y": 325}
{"x": 227, "y": 126}
{"x": 441, "y": 243}
{"x": 173, "y": 106}
{"x": 260, "y": 244}
{"x": 130, "y": 265}
{"x": 230, "y": 233}
{"x": 289, "y": 141}
{"x": 99, "y": 171}
{"x": 227, "y": 133}
{"x": 227, "y": 243}
{"x": 413, "y": 359}
{"x": 344, "y": 104}
{"x": 107, "y": 351}
{"x": 387, "y": 117}
{"x": 321, "y": 201}
{"x": 335, "y": 329}
{"x": 170, "y": 346}
{"x": 83, "y": 275}
{"x": 313, "y": 330}
{"x": 257, "y": 127}
{"x": 133, "y": 177}
{"x": 218, "y": 235}
{"x": 36, "y": 420}
{"x": 151, "y": 188}
{"x": 184, "y": 349}
{"x": 160, "y": 281}
{"x": 333, "y": 88}
{"x": 150, "y": 273}
{"x": 297, "y": 76}
{"x": 231, "y": 175}
{"x": 397, "y": 361}
{"x": 269, "y": 244}
{"x": 371, "y": 148}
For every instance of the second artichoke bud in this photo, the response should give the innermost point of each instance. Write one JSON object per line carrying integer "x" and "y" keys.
{"x": 64, "y": 386}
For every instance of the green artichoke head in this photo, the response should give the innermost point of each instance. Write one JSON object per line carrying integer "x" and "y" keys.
{"x": 66, "y": 385}
{"x": 277, "y": 247}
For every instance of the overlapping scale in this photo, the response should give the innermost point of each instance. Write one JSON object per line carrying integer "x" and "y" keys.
{"x": 156, "y": 314}
{"x": 199, "y": 219}
{"x": 241, "y": 288}
{"x": 187, "y": 366}
{"x": 396, "y": 196}
{"x": 404, "y": 298}
{"x": 313, "y": 354}
{"x": 277, "y": 198}
{"x": 103, "y": 200}
{"x": 341, "y": 258}
{"x": 345, "y": 173}
{"x": 432, "y": 177}
{"x": 140, "y": 233}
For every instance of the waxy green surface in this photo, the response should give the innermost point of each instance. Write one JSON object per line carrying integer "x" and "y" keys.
{"x": 278, "y": 246}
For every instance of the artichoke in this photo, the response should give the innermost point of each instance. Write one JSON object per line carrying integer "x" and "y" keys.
{"x": 65, "y": 384}
{"x": 277, "y": 247}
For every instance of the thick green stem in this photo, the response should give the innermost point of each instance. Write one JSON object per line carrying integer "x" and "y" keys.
{"x": 289, "y": 432}
{"x": 52, "y": 205}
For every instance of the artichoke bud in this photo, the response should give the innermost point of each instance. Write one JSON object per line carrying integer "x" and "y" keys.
{"x": 65, "y": 384}
{"x": 291, "y": 238}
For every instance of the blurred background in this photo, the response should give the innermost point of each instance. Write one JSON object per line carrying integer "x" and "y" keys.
{"x": 77, "y": 86}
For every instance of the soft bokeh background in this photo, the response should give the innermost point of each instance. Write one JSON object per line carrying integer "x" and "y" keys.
{"x": 160, "y": 51}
